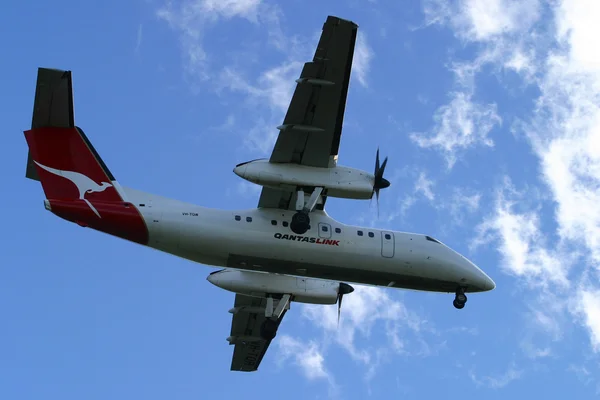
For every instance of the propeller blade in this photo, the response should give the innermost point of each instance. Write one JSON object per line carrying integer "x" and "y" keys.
{"x": 343, "y": 289}
{"x": 377, "y": 200}
{"x": 382, "y": 168}
{"x": 340, "y": 297}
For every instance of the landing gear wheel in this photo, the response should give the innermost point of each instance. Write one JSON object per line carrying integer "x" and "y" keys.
{"x": 458, "y": 304}
{"x": 300, "y": 223}
{"x": 268, "y": 329}
{"x": 460, "y": 299}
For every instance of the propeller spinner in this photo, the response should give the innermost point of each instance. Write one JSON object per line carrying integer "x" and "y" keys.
{"x": 343, "y": 289}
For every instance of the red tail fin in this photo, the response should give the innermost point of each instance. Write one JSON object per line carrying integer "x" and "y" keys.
{"x": 69, "y": 167}
{"x": 78, "y": 185}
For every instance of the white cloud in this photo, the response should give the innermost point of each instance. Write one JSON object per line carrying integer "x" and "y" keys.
{"x": 424, "y": 186}
{"x": 522, "y": 244}
{"x": 139, "y": 37}
{"x": 483, "y": 20}
{"x": 361, "y": 62}
{"x": 307, "y": 356}
{"x": 463, "y": 202}
{"x": 273, "y": 90}
{"x": 190, "y": 19}
{"x": 229, "y": 8}
{"x": 361, "y": 311}
{"x": 497, "y": 381}
{"x": 589, "y": 308}
{"x": 522, "y": 62}
{"x": 486, "y": 19}
{"x": 458, "y": 125}
{"x": 577, "y": 25}
{"x": 564, "y": 131}
{"x": 274, "y": 87}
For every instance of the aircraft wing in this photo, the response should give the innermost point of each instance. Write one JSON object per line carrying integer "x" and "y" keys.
{"x": 247, "y": 355}
{"x": 312, "y": 127}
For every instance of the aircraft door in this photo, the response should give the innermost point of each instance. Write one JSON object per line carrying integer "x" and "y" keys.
{"x": 324, "y": 230}
{"x": 387, "y": 244}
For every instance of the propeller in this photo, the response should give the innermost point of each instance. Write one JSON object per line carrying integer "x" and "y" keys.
{"x": 380, "y": 182}
{"x": 342, "y": 290}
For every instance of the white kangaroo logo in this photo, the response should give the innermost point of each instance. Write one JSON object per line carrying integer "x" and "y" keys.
{"x": 83, "y": 183}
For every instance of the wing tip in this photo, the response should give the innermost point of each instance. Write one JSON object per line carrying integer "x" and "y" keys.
{"x": 338, "y": 20}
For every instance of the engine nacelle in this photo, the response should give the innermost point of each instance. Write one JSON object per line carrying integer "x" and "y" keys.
{"x": 343, "y": 182}
{"x": 261, "y": 284}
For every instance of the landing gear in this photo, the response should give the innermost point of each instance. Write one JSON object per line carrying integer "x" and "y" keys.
{"x": 268, "y": 329}
{"x": 301, "y": 221}
{"x": 460, "y": 299}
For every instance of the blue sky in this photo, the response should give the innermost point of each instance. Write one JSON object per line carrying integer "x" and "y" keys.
{"x": 488, "y": 111}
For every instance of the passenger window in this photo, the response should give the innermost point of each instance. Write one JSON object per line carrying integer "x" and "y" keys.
{"x": 248, "y": 219}
{"x": 338, "y": 230}
{"x": 387, "y": 236}
{"x": 284, "y": 223}
{"x": 360, "y": 233}
{"x": 324, "y": 228}
{"x": 371, "y": 234}
{"x": 238, "y": 218}
{"x": 273, "y": 222}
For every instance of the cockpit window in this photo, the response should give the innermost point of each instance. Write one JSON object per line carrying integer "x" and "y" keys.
{"x": 432, "y": 239}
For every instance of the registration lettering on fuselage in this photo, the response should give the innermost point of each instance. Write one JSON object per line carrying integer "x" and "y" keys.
{"x": 306, "y": 239}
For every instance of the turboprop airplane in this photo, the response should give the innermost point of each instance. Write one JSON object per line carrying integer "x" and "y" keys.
{"x": 288, "y": 249}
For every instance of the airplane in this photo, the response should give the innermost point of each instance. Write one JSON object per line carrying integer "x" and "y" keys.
{"x": 287, "y": 249}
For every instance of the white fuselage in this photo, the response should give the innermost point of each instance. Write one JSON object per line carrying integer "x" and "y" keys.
{"x": 261, "y": 240}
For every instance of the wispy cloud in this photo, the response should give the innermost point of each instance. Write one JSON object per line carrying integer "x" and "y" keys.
{"x": 271, "y": 93}
{"x": 589, "y": 308}
{"x": 424, "y": 186}
{"x": 422, "y": 189}
{"x": 562, "y": 129}
{"x": 361, "y": 63}
{"x": 228, "y": 8}
{"x": 139, "y": 38}
{"x": 497, "y": 381}
{"x": 524, "y": 250}
{"x": 483, "y": 20}
{"x": 458, "y": 125}
{"x": 308, "y": 357}
{"x": 191, "y": 18}
{"x": 367, "y": 306}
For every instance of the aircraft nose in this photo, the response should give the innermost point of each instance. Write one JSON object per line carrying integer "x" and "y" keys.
{"x": 486, "y": 283}
{"x": 479, "y": 279}
{"x": 472, "y": 275}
